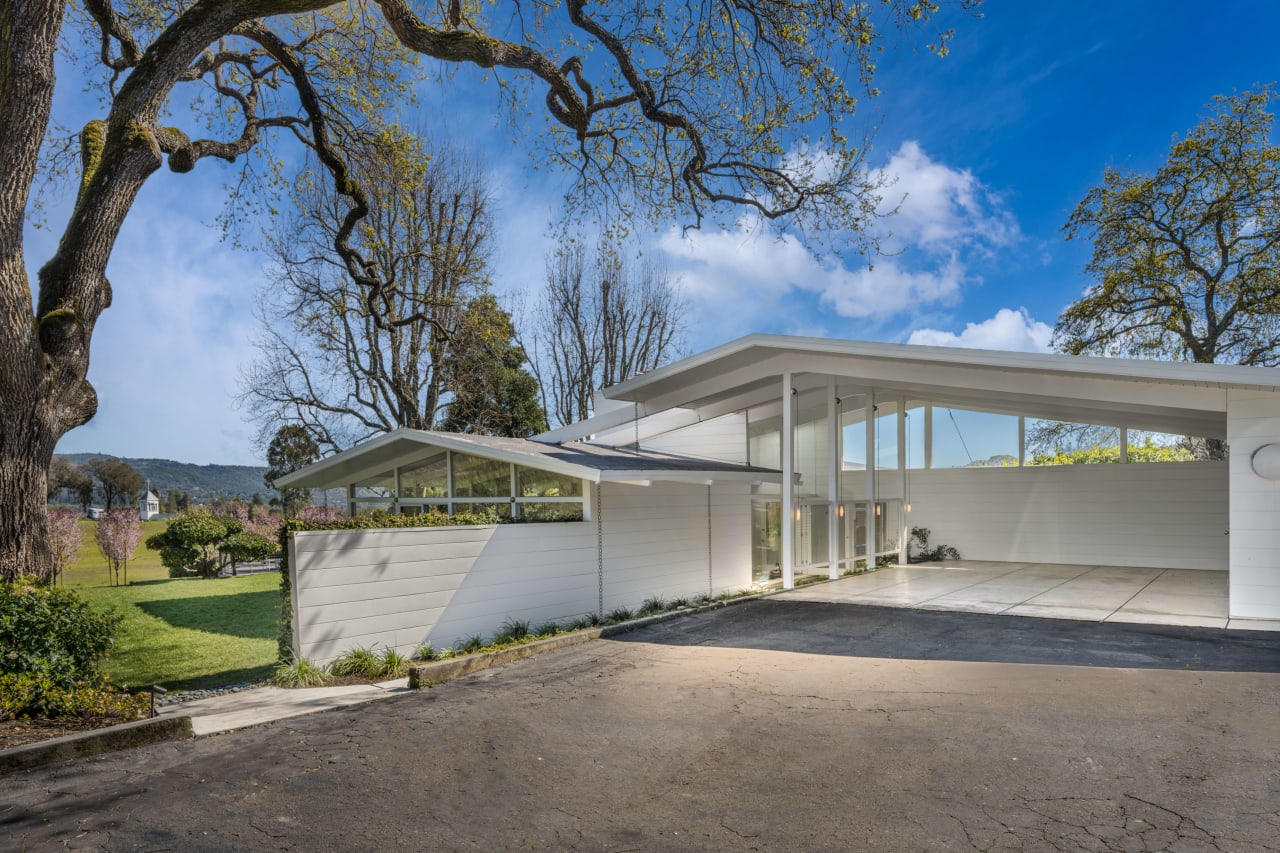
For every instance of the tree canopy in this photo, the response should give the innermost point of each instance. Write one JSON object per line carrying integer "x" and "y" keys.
{"x": 1187, "y": 258}
{"x": 671, "y": 109}
{"x": 291, "y": 448}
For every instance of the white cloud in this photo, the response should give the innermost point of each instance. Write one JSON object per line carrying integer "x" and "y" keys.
{"x": 1007, "y": 330}
{"x": 746, "y": 279}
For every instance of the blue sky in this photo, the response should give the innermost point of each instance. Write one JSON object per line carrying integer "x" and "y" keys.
{"x": 991, "y": 147}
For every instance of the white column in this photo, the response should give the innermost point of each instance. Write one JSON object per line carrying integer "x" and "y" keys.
{"x": 833, "y": 480}
{"x": 871, "y": 480}
{"x": 788, "y": 484}
{"x": 902, "y": 481}
{"x": 1124, "y": 445}
{"x": 1022, "y": 441}
{"x": 928, "y": 437}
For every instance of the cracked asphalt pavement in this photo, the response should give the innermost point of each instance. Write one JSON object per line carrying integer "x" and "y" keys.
{"x": 772, "y": 725}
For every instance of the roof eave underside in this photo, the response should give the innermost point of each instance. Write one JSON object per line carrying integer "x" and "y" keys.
{"x": 404, "y": 446}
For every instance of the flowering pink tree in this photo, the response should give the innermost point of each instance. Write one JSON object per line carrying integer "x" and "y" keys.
{"x": 319, "y": 514}
{"x": 118, "y": 533}
{"x": 65, "y": 538}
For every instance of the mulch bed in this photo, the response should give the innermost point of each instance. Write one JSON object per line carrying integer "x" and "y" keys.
{"x": 20, "y": 732}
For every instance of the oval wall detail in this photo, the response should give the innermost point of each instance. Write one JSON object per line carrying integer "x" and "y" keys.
{"x": 1266, "y": 461}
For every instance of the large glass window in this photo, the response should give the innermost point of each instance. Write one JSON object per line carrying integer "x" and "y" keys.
{"x": 968, "y": 439}
{"x": 377, "y": 487}
{"x": 429, "y": 479}
{"x": 474, "y": 477}
{"x": 532, "y": 483}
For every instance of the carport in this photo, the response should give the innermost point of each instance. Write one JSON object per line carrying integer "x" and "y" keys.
{"x": 858, "y": 430}
{"x": 1125, "y": 594}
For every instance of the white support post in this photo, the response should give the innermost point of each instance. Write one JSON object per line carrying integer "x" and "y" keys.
{"x": 1124, "y": 445}
{"x": 871, "y": 480}
{"x": 833, "y": 480}
{"x": 788, "y": 484}
{"x": 928, "y": 437}
{"x": 902, "y": 480}
{"x": 1022, "y": 441}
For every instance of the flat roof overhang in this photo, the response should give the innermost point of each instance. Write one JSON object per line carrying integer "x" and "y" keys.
{"x": 1183, "y": 398}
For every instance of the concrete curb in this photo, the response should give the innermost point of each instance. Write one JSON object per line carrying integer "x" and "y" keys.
{"x": 436, "y": 672}
{"x": 96, "y": 742}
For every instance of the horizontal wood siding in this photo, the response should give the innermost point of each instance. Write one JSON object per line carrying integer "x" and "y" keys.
{"x": 655, "y": 542}
{"x": 402, "y": 588}
{"x": 1168, "y": 515}
{"x": 1253, "y": 420}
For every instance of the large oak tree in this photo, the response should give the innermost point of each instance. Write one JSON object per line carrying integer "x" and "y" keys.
{"x": 670, "y": 108}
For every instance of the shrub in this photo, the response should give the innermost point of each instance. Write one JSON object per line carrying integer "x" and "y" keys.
{"x": 924, "y": 554}
{"x": 53, "y": 634}
{"x": 547, "y": 629}
{"x": 425, "y": 652}
{"x": 29, "y": 695}
{"x": 471, "y": 644}
{"x": 300, "y": 673}
{"x": 189, "y": 544}
{"x": 620, "y": 614}
{"x": 653, "y": 604}
{"x": 512, "y": 631}
{"x": 677, "y": 604}
{"x": 355, "y": 662}
{"x": 392, "y": 664}
{"x": 246, "y": 547}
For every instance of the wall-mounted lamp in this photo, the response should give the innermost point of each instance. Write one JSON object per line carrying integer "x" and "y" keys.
{"x": 797, "y": 513}
{"x": 1266, "y": 462}
{"x": 877, "y": 509}
{"x": 840, "y": 510}
{"x": 908, "y": 507}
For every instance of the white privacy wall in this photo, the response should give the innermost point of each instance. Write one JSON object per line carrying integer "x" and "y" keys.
{"x": 1171, "y": 515}
{"x": 1253, "y": 420}
{"x": 658, "y": 538}
{"x": 401, "y": 588}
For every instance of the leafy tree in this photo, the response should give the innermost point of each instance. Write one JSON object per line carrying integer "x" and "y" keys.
{"x": 189, "y": 545}
{"x": 75, "y": 478}
{"x": 66, "y": 537}
{"x": 291, "y": 448}
{"x": 601, "y": 321}
{"x": 1187, "y": 258}
{"x": 117, "y": 534}
{"x": 684, "y": 110}
{"x": 353, "y": 356}
{"x": 492, "y": 392}
{"x": 246, "y": 547}
{"x": 117, "y": 480}
{"x": 1144, "y": 451}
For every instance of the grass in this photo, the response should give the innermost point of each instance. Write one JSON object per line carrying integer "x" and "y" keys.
{"x": 90, "y": 567}
{"x": 187, "y": 634}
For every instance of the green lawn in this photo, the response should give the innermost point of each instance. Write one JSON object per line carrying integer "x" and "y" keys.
{"x": 183, "y": 634}
{"x": 189, "y": 633}
{"x": 90, "y": 568}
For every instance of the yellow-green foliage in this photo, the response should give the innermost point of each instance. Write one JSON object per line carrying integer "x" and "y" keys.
{"x": 1146, "y": 451}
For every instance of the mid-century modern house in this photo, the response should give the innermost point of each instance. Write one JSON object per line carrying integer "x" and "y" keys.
{"x": 772, "y": 458}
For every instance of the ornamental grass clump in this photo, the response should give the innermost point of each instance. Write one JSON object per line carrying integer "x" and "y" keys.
{"x": 300, "y": 673}
{"x": 355, "y": 662}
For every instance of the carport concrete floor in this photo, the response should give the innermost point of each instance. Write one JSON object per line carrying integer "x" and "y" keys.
{"x": 1054, "y": 591}
{"x": 769, "y": 725}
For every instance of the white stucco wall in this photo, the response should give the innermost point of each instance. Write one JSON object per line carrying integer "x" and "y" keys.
{"x": 1170, "y": 515}
{"x": 401, "y": 588}
{"x": 1253, "y": 420}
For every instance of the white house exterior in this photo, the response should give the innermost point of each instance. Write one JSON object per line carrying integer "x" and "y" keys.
{"x": 752, "y": 462}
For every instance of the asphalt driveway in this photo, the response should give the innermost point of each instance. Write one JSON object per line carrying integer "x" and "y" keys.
{"x": 772, "y": 725}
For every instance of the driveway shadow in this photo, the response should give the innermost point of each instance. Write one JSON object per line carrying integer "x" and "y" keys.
{"x": 857, "y": 630}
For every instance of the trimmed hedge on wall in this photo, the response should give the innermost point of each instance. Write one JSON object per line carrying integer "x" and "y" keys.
{"x": 373, "y": 521}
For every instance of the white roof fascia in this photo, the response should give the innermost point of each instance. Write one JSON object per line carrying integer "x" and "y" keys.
{"x": 1181, "y": 373}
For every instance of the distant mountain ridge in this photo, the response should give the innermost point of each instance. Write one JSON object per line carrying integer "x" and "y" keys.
{"x": 202, "y": 482}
